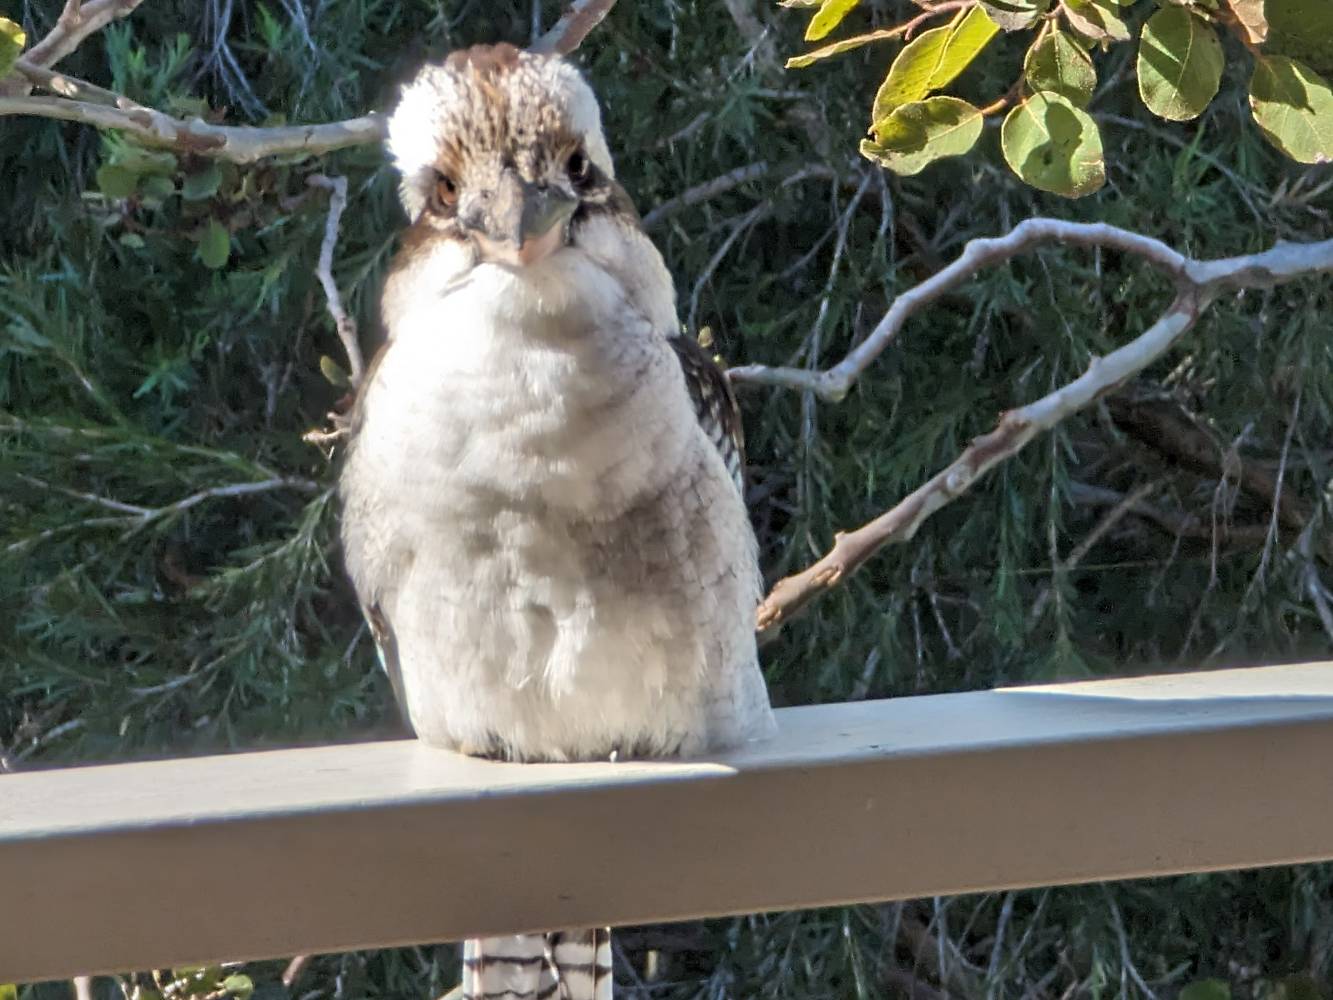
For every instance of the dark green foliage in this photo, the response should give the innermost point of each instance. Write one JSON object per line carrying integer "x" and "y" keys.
{"x": 168, "y": 580}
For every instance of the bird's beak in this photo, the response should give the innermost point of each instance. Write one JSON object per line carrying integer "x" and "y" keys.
{"x": 522, "y": 223}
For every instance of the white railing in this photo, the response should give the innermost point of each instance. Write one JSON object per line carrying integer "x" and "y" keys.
{"x": 270, "y": 854}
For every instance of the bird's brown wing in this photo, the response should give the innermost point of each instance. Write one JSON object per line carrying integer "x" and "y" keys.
{"x": 714, "y": 404}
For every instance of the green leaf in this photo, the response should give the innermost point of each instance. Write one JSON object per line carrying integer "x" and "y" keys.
{"x": 8, "y": 991}
{"x": 828, "y": 17}
{"x": 1057, "y": 64}
{"x": 333, "y": 372}
{"x": 144, "y": 161}
{"x": 1251, "y": 19}
{"x": 1206, "y": 989}
{"x": 214, "y": 245}
{"x": 1015, "y": 15}
{"x": 131, "y": 240}
{"x": 1293, "y": 107}
{"x": 1054, "y": 146}
{"x": 202, "y": 183}
{"x": 116, "y": 181}
{"x": 1180, "y": 64}
{"x": 12, "y": 39}
{"x": 157, "y": 187}
{"x": 1095, "y": 19}
{"x": 1302, "y": 29}
{"x": 239, "y": 986}
{"x": 932, "y": 60}
{"x": 917, "y": 134}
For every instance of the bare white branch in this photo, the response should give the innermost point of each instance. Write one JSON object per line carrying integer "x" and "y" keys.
{"x": 337, "y": 188}
{"x": 237, "y": 143}
{"x": 1198, "y": 283}
{"x": 568, "y": 33}
{"x": 76, "y": 22}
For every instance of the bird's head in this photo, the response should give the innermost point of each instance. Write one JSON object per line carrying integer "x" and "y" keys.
{"x": 501, "y": 147}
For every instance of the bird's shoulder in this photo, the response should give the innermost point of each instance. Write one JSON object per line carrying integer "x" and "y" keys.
{"x": 714, "y": 402}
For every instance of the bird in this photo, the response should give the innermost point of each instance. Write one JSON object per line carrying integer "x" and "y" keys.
{"x": 542, "y": 493}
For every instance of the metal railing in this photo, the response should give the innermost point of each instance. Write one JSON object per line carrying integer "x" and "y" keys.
{"x": 269, "y": 854}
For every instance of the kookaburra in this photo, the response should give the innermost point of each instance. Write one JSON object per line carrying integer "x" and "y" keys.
{"x": 543, "y": 515}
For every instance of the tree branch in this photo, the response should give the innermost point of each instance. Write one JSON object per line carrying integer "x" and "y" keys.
{"x": 578, "y": 20}
{"x": 1198, "y": 283}
{"x": 237, "y": 143}
{"x": 76, "y": 22}
{"x": 88, "y": 104}
{"x": 337, "y": 187}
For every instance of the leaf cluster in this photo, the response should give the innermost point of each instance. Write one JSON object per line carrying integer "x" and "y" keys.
{"x": 1049, "y": 137}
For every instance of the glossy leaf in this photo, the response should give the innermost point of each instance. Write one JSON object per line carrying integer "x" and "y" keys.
{"x": 1015, "y": 15}
{"x": 214, "y": 245}
{"x": 239, "y": 986}
{"x": 828, "y": 17}
{"x": 1057, "y": 64}
{"x": 1054, "y": 146}
{"x": 917, "y": 134}
{"x": 1096, "y": 19}
{"x": 1293, "y": 107}
{"x": 932, "y": 60}
{"x": 8, "y": 991}
{"x": 1180, "y": 64}
{"x": 1251, "y": 19}
{"x": 12, "y": 39}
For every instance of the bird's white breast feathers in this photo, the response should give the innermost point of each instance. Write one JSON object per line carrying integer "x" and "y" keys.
{"x": 558, "y": 547}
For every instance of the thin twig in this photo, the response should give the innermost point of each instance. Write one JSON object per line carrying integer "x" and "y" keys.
{"x": 1198, "y": 284}
{"x": 705, "y": 192}
{"x": 1078, "y": 552}
{"x": 337, "y": 188}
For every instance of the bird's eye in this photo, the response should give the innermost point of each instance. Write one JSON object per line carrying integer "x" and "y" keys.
{"x": 445, "y": 194}
{"x": 579, "y": 167}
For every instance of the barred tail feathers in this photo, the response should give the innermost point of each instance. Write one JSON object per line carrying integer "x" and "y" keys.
{"x": 563, "y": 965}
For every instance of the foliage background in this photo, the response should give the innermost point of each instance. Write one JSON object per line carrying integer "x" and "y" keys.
{"x": 132, "y": 374}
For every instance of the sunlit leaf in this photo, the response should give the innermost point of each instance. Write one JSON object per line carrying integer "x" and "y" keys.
{"x": 12, "y": 39}
{"x": 828, "y": 17}
{"x": 1059, "y": 65}
{"x": 1180, "y": 64}
{"x": 1054, "y": 146}
{"x": 932, "y": 60}
{"x": 1293, "y": 107}
{"x": 239, "y": 986}
{"x": 333, "y": 372}
{"x": 917, "y": 134}
{"x": 1251, "y": 19}
{"x": 1096, "y": 19}
{"x": 214, "y": 245}
{"x": 8, "y": 991}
